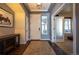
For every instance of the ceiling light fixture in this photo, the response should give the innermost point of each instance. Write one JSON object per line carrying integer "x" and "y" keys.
{"x": 38, "y": 3}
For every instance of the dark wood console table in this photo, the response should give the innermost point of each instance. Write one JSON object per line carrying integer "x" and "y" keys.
{"x": 8, "y": 42}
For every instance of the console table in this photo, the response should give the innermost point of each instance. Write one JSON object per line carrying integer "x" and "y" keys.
{"x": 8, "y": 42}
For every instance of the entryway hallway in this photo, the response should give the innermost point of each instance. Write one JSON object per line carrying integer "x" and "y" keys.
{"x": 43, "y": 29}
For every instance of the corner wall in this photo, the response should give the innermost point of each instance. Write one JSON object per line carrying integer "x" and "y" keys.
{"x": 19, "y": 20}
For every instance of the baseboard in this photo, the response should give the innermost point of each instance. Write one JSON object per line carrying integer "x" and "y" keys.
{"x": 45, "y": 39}
{"x": 39, "y": 40}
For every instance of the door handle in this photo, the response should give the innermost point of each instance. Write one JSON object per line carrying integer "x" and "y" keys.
{"x": 39, "y": 28}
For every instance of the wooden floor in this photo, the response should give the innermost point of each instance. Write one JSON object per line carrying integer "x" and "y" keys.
{"x": 19, "y": 50}
{"x": 36, "y": 48}
{"x": 67, "y": 46}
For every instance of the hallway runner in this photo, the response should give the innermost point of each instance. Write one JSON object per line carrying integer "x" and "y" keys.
{"x": 39, "y": 48}
{"x": 57, "y": 49}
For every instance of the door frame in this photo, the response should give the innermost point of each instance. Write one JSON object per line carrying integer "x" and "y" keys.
{"x": 52, "y": 19}
{"x": 40, "y": 25}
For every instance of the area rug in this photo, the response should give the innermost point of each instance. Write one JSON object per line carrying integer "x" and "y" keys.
{"x": 39, "y": 48}
{"x": 57, "y": 49}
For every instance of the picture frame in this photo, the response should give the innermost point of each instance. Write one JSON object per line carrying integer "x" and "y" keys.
{"x": 6, "y": 18}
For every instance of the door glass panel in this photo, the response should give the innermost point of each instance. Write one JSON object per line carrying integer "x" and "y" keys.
{"x": 44, "y": 25}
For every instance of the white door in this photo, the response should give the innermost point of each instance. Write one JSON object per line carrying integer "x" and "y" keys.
{"x": 35, "y": 26}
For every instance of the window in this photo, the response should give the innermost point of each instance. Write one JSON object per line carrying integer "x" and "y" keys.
{"x": 67, "y": 25}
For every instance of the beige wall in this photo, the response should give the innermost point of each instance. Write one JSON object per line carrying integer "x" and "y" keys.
{"x": 20, "y": 26}
{"x": 6, "y": 30}
{"x": 19, "y": 20}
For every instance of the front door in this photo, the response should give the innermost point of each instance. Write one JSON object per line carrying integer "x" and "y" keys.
{"x": 35, "y": 27}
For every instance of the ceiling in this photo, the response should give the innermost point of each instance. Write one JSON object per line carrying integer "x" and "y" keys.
{"x": 67, "y": 8}
{"x": 66, "y": 11}
{"x": 38, "y": 7}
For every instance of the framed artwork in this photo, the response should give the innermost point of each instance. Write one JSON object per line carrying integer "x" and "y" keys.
{"x": 6, "y": 18}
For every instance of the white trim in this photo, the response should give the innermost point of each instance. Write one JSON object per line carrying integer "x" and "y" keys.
{"x": 39, "y": 39}
{"x": 74, "y": 30}
{"x": 44, "y": 39}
